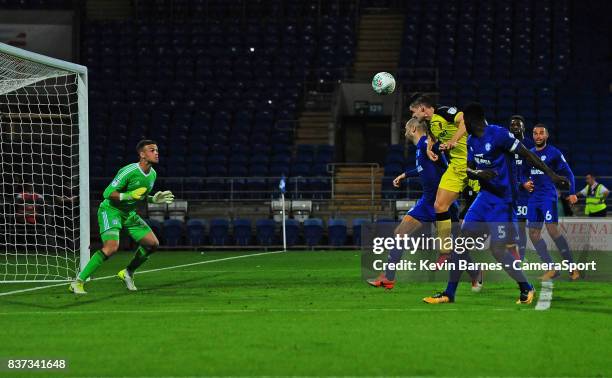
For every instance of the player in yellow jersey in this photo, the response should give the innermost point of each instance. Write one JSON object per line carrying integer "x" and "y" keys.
{"x": 447, "y": 127}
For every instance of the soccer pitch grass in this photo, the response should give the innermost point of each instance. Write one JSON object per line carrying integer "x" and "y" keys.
{"x": 299, "y": 314}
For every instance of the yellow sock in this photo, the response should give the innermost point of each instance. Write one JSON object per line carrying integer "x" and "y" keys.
{"x": 443, "y": 226}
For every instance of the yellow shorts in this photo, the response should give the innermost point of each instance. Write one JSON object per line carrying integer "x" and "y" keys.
{"x": 455, "y": 179}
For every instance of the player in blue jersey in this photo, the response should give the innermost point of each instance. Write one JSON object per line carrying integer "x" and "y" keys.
{"x": 542, "y": 205}
{"x": 490, "y": 161}
{"x": 517, "y": 127}
{"x": 423, "y": 212}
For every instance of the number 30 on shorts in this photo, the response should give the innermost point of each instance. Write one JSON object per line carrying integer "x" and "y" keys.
{"x": 521, "y": 210}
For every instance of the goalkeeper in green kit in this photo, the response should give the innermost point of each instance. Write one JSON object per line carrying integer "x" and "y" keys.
{"x": 131, "y": 185}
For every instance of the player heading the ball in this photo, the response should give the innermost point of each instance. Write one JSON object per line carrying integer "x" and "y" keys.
{"x": 132, "y": 184}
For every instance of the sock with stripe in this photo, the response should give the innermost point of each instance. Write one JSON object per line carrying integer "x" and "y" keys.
{"x": 94, "y": 263}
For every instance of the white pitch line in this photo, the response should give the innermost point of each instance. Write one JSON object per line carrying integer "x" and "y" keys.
{"x": 146, "y": 271}
{"x": 546, "y": 295}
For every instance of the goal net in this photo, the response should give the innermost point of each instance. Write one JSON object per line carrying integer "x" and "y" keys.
{"x": 44, "y": 190}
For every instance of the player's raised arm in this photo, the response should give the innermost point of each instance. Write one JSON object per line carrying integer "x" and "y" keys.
{"x": 563, "y": 168}
{"x": 430, "y": 152}
{"x": 535, "y": 161}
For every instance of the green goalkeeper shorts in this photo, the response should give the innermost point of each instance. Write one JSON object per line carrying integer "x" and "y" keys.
{"x": 111, "y": 221}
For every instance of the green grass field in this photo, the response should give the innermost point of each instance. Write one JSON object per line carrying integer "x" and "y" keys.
{"x": 299, "y": 314}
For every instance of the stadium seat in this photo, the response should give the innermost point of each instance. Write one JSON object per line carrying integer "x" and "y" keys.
{"x": 358, "y": 223}
{"x": 292, "y": 231}
{"x": 219, "y": 231}
{"x": 242, "y": 231}
{"x": 313, "y": 231}
{"x": 336, "y": 229}
{"x": 173, "y": 232}
{"x": 156, "y": 226}
{"x": 196, "y": 231}
{"x": 265, "y": 231}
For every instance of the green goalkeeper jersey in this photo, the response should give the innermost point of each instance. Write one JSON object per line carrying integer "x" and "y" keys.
{"x": 127, "y": 179}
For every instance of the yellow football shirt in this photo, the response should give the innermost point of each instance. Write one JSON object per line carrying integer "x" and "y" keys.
{"x": 443, "y": 125}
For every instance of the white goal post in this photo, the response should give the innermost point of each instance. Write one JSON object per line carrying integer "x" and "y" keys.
{"x": 44, "y": 167}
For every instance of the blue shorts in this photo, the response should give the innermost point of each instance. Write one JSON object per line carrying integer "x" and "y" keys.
{"x": 520, "y": 209}
{"x": 489, "y": 214}
{"x": 423, "y": 211}
{"x": 540, "y": 212}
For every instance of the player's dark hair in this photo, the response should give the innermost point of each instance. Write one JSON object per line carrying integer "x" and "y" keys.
{"x": 542, "y": 126}
{"x": 517, "y": 116}
{"x": 473, "y": 113}
{"x": 144, "y": 142}
{"x": 423, "y": 100}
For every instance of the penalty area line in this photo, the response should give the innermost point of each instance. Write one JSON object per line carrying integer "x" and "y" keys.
{"x": 146, "y": 271}
{"x": 545, "y": 297}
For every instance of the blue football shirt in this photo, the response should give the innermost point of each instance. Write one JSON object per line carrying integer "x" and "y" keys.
{"x": 493, "y": 151}
{"x": 429, "y": 171}
{"x": 544, "y": 188}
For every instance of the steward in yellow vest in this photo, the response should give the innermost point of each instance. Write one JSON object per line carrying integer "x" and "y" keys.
{"x": 595, "y": 194}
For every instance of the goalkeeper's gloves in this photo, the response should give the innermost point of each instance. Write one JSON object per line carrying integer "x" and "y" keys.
{"x": 163, "y": 197}
{"x": 135, "y": 194}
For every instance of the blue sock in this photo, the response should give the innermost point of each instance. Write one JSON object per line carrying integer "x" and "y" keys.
{"x": 542, "y": 250}
{"x": 561, "y": 243}
{"x": 522, "y": 244}
{"x": 467, "y": 257}
{"x": 451, "y": 289}
{"x": 507, "y": 260}
{"x": 454, "y": 274}
{"x": 394, "y": 257}
{"x": 525, "y": 286}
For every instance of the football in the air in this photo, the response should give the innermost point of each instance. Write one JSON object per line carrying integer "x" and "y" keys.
{"x": 383, "y": 83}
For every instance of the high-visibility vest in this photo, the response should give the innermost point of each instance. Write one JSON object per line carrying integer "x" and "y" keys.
{"x": 594, "y": 200}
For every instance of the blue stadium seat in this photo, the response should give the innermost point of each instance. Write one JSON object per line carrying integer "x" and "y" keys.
{"x": 313, "y": 231}
{"x": 358, "y": 223}
{"x": 242, "y": 231}
{"x": 337, "y": 232}
{"x": 196, "y": 231}
{"x": 292, "y": 231}
{"x": 219, "y": 231}
{"x": 173, "y": 232}
{"x": 156, "y": 226}
{"x": 265, "y": 231}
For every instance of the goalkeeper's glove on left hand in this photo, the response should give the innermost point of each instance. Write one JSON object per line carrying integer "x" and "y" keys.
{"x": 163, "y": 197}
